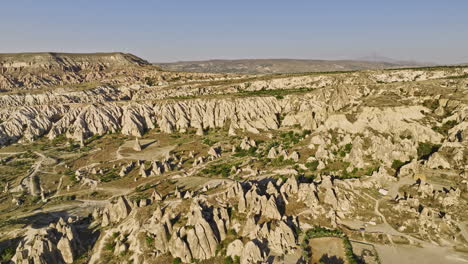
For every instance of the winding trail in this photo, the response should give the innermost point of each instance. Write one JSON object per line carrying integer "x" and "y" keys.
{"x": 36, "y": 168}
{"x": 387, "y": 229}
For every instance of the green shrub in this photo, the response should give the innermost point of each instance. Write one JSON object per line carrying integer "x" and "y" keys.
{"x": 71, "y": 175}
{"x": 143, "y": 188}
{"x": 445, "y": 127}
{"x": 348, "y": 147}
{"x": 349, "y": 251}
{"x": 228, "y": 260}
{"x": 397, "y": 164}
{"x": 426, "y": 149}
{"x": 318, "y": 231}
{"x": 109, "y": 246}
{"x": 464, "y": 76}
{"x": 6, "y": 255}
{"x": 223, "y": 169}
{"x": 176, "y": 261}
{"x": 67, "y": 198}
{"x": 109, "y": 176}
{"x": 290, "y": 137}
{"x": 345, "y": 150}
{"x": 280, "y": 162}
{"x": 208, "y": 142}
{"x": 312, "y": 165}
{"x": 276, "y": 93}
{"x": 149, "y": 240}
{"x": 431, "y": 104}
{"x": 243, "y": 152}
{"x": 371, "y": 170}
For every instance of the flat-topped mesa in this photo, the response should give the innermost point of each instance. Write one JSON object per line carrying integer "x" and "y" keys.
{"x": 37, "y": 70}
{"x": 31, "y": 62}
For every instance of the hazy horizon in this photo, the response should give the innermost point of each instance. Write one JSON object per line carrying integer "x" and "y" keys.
{"x": 423, "y": 31}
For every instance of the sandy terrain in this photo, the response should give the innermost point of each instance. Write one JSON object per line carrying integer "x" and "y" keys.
{"x": 328, "y": 250}
{"x": 151, "y": 150}
{"x": 403, "y": 254}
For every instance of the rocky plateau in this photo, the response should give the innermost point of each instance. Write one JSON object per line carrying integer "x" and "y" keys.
{"x": 107, "y": 159}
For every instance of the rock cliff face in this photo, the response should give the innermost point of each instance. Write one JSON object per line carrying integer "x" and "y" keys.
{"x": 207, "y": 224}
{"x": 66, "y": 61}
{"x": 34, "y": 70}
{"x": 58, "y": 243}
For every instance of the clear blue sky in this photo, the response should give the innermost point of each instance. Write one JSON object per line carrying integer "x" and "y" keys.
{"x": 434, "y": 31}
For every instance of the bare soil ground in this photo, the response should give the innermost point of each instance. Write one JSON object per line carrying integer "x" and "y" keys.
{"x": 329, "y": 250}
{"x": 403, "y": 254}
{"x": 151, "y": 150}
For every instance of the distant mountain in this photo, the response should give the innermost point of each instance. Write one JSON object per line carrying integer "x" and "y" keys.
{"x": 259, "y": 66}
{"x": 377, "y": 58}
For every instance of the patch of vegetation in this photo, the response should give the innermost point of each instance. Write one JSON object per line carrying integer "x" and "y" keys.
{"x": 208, "y": 142}
{"x": 7, "y": 254}
{"x": 149, "y": 240}
{"x": 109, "y": 176}
{"x": 143, "y": 188}
{"x": 244, "y": 152}
{"x": 290, "y": 138}
{"x": 307, "y": 178}
{"x": 139, "y": 196}
{"x": 335, "y": 166}
{"x": 464, "y": 76}
{"x": 71, "y": 175}
{"x": 230, "y": 260}
{"x": 351, "y": 117}
{"x": 176, "y": 261}
{"x": 431, "y": 104}
{"x": 349, "y": 251}
{"x": 445, "y": 127}
{"x": 110, "y": 246}
{"x": 318, "y": 231}
{"x": 397, "y": 164}
{"x": 277, "y": 92}
{"x": 345, "y": 150}
{"x": 223, "y": 169}
{"x": 349, "y": 175}
{"x": 312, "y": 165}
{"x": 370, "y": 170}
{"x": 280, "y": 162}
{"x": 426, "y": 149}
{"x": 93, "y": 138}
{"x": 66, "y": 198}
{"x": 175, "y": 135}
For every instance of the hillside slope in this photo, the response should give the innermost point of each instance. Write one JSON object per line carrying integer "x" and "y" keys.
{"x": 36, "y": 70}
